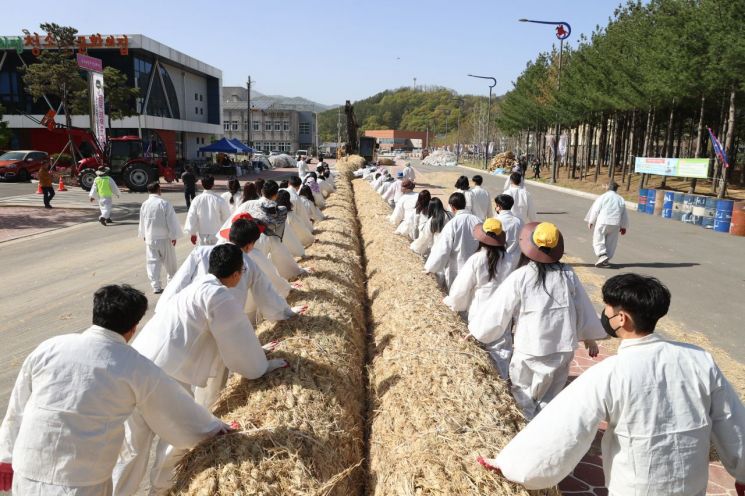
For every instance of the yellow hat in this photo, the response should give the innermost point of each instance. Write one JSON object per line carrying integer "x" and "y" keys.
{"x": 492, "y": 225}
{"x": 546, "y": 235}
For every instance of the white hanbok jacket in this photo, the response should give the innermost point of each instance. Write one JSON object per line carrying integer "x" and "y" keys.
{"x": 426, "y": 238}
{"x": 237, "y": 197}
{"x": 469, "y": 198}
{"x": 394, "y": 191}
{"x": 279, "y": 255}
{"x": 409, "y": 173}
{"x": 472, "y": 288}
{"x": 511, "y": 225}
{"x": 310, "y": 210}
{"x": 65, "y": 419}
{"x": 327, "y": 187}
{"x": 384, "y": 187}
{"x": 299, "y": 227}
{"x": 404, "y": 215}
{"x": 549, "y": 320}
{"x": 292, "y": 243}
{"x": 480, "y": 203}
{"x": 254, "y": 285}
{"x": 207, "y": 214}
{"x": 523, "y": 207}
{"x": 202, "y": 328}
{"x": 454, "y": 246}
{"x": 609, "y": 209}
{"x": 158, "y": 220}
{"x": 302, "y": 169}
{"x": 663, "y": 402}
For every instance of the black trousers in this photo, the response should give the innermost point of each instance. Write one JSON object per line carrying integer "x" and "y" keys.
{"x": 189, "y": 196}
{"x": 48, "y": 195}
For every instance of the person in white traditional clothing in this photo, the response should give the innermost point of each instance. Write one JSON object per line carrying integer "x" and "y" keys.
{"x": 302, "y": 168}
{"x": 477, "y": 281}
{"x": 386, "y": 182}
{"x": 420, "y": 212}
{"x": 64, "y": 425}
{"x": 463, "y": 186}
{"x": 202, "y": 330}
{"x": 456, "y": 242}
{"x": 552, "y": 311}
{"x": 378, "y": 178}
{"x": 308, "y": 204}
{"x": 429, "y": 229}
{"x": 392, "y": 188}
{"x": 665, "y": 403}
{"x": 511, "y": 225}
{"x": 298, "y": 219}
{"x": 234, "y": 194}
{"x": 403, "y": 216}
{"x": 103, "y": 189}
{"x": 523, "y": 207}
{"x": 607, "y": 219}
{"x": 289, "y": 238}
{"x": 249, "y": 193}
{"x": 206, "y": 215}
{"x": 325, "y": 181}
{"x": 480, "y": 199}
{"x": 160, "y": 229}
{"x": 311, "y": 181}
{"x": 273, "y": 217}
{"x": 408, "y": 172}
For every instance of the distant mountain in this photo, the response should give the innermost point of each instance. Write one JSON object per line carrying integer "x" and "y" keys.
{"x": 232, "y": 94}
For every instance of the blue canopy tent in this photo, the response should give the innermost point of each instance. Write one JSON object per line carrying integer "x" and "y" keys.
{"x": 237, "y": 142}
{"x": 223, "y": 146}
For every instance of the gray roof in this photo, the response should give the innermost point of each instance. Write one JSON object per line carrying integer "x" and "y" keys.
{"x": 264, "y": 102}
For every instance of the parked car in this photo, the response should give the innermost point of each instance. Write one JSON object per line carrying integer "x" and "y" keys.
{"x": 301, "y": 153}
{"x": 274, "y": 153}
{"x": 19, "y": 165}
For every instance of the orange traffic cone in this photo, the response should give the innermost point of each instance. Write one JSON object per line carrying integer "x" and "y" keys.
{"x": 38, "y": 189}
{"x": 61, "y": 186}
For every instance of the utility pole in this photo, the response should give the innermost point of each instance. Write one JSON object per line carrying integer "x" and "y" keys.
{"x": 414, "y": 84}
{"x": 488, "y": 117}
{"x": 460, "y": 110}
{"x": 248, "y": 115}
{"x": 338, "y": 128}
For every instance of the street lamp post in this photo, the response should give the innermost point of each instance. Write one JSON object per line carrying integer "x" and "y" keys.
{"x": 457, "y": 146}
{"x": 563, "y": 30}
{"x": 488, "y": 117}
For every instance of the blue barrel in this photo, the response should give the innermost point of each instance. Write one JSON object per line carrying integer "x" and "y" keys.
{"x": 699, "y": 209}
{"x": 667, "y": 205}
{"x": 641, "y": 205}
{"x": 710, "y": 210}
{"x": 688, "y": 201}
{"x": 678, "y": 206}
{"x": 723, "y": 215}
{"x": 651, "y": 194}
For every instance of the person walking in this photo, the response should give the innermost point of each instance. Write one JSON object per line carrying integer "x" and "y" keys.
{"x": 234, "y": 194}
{"x": 456, "y": 242}
{"x": 64, "y": 425}
{"x": 160, "y": 229}
{"x": 523, "y": 206}
{"x": 463, "y": 186}
{"x": 190, "y": 185}
{"x": 552, "y": 313}
{"x": 477, "y": 281}
{"x": 409, "y": 172}
{"x": 45, "y": 182}
{"x": 607, "y": 218}
{"x": 665, "y": 404}
{"x": 511, "y": 225}
{"x": 103, "y": 190}
{"x": 480, "y": 199}
{"x": 209, "y": 214}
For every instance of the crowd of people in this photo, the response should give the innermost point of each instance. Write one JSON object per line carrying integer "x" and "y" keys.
{"x": 87, "y": 409}
{"x": 664, "y": 402}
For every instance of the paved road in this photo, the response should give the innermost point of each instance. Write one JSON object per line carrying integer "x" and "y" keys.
{"x": 703, "y": 269}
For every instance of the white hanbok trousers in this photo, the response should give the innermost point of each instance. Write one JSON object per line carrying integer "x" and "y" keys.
{"x": 605, "y": 240}
{"x": 133, "y": 459}
{"x": 292, "y": 243}
{"x": 207, "y": 239}
{"x": 105, "y": 205}
{"x": 207, "y": 395}
{"x": 160, "y": 253}
{"x": 28, "y": 487}
{"x": 500, "y": 352}
{"x": 536, "y": 380}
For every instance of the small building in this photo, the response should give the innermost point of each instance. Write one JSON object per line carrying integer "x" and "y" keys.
{"x": 395, "y": 140}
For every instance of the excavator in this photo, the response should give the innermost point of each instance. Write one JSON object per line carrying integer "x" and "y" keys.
{"x": 364, "y": 146}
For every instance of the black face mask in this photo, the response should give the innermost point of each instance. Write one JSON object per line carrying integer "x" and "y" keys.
{"x": 605, "y": 322}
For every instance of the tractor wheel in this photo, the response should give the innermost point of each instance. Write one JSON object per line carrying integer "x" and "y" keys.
{"x": 86, "y": 178}
{"x": 136, "y": 177}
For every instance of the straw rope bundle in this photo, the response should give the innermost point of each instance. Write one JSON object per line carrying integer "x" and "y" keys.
{"x": 302, "y": 427}
{"x": 386, "y": 161}
{"x": 438, "y": 400}
{"x": 504, "y": 160}
{"x": 282, "y": 161}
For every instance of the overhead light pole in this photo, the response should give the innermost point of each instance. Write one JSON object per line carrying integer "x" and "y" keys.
{"x": 460, "y": 111}
{"x": 488, "y": 117}
{"x": 563, "y": 30}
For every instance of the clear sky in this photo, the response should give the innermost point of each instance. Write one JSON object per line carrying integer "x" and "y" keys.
{"x": 333, "y": 50}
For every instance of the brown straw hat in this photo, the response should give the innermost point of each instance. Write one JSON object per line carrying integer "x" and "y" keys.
{"x": 490, "y": 233}
{"x": 408, "y": 184}
{"x": 542, "y": 242}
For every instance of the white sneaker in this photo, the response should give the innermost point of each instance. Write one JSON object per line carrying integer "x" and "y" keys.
{"x": 602, "y": 261}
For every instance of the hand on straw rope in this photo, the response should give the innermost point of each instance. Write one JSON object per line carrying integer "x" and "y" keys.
{"x": 271, "y": 345}
{"x": 277, "y": 363}
{"x": 592, "y": 348}
{"x": 233, "y": 426}
{"x": 297, "y": 285}
{"x": 488, "y": 464}
{"x": 300, "y": 309}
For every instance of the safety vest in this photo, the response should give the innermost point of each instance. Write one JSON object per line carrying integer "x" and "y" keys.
{"x": 103, "y": 186}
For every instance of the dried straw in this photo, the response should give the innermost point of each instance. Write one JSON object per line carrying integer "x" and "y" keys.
{"x": 302, "y": 427}
{"x": 437, "y": 400}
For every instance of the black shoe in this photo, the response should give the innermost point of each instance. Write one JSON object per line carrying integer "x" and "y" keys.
{"x": 109, "y": 221}
{"x": 102, "y": 221}
{"x": 47, "y": 206}
{"x": 157, "y": 291}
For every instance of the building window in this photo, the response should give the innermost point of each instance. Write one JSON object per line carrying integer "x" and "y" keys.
{"x": 226, "y": 125}
{"x": 256, "y": 125}
{"x": 277, "y": 126}
{"x": 286, "y": 125}
{"x": 201, "y": 111}
{"x": 196, "y": 110}
{"x": 235, "y": 125}
{"x": 196, "y": 96}
{"x": 305, "y": 128}
{"x": 200, "y": 98}
{"x": 267, "y": 125}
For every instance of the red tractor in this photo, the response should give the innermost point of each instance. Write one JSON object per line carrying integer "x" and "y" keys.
{"x": 125, "y": 158}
